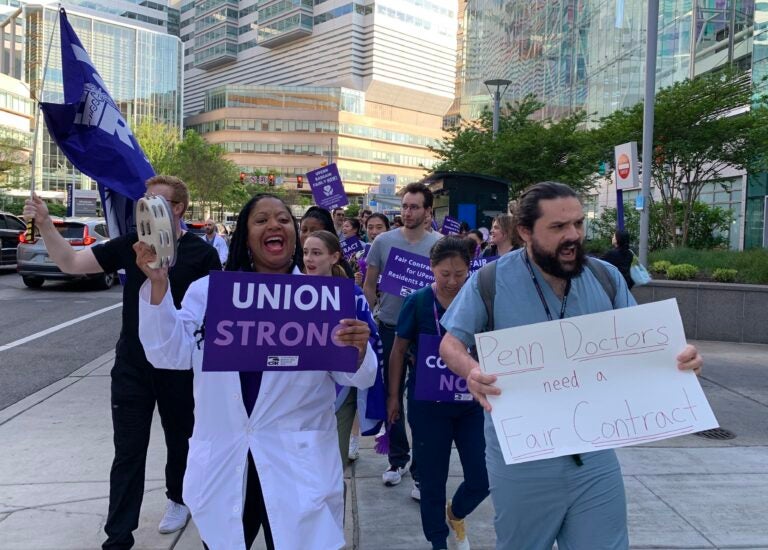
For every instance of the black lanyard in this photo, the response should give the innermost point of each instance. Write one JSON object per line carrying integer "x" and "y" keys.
{"x": 541, "y": 294}
{"x": 576, "y": 457}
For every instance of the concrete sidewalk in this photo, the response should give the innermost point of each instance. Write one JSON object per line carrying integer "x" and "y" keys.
{"x": 689, "y": 492}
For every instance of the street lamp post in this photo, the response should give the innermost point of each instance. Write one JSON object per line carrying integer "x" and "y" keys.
{"x": 496, "y": 87}
{"x": 649, "y": 101}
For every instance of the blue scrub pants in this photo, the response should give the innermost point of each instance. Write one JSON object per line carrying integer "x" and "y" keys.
{"x": 543, "y": 501}
{"x": 435, "y": 427}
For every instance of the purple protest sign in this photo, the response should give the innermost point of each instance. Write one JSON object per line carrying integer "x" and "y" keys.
{"x": 350, "y": 245}
{"x": 477, "y": 263}
{"x": 451, "y": 226}
{"x": 265, "y": 322}
{"x": 327, "y": 189}
{"x": 434, "y": 382}
{"x": 405, "y": 273}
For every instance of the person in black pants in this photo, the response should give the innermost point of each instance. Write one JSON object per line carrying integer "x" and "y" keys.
{"x": 438, "y": 421}
{"x": 621, "y": 256}
{"x": 136, "y": 386}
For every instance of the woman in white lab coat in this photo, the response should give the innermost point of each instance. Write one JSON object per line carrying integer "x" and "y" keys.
{"x": 264, "y": 451}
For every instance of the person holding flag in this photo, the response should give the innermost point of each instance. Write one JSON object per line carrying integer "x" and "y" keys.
{"x": 136, "y": 386}
{"x": 90, "y": 130}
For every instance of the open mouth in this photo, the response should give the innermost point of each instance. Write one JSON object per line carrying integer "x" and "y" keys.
{"x": 568, "y": 252}
{"x": 274, "y": 244}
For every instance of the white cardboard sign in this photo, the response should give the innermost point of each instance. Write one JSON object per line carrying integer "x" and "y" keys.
{"x": 592, "y": 382}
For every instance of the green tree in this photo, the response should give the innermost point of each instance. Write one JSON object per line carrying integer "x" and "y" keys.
{"x": 525, "y": 150}
{"x": 708, "y": 226}
{"x": 160, "y": 143}
{"x": 14, "y": 163}
{"x": 701, "y": 128}
{"x": 237, "y": 194}
{"x": 204, "y": 169}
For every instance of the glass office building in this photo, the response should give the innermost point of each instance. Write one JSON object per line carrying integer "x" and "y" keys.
{"x": 284, "y": 85}
{"x": 590, "y": 55}
{"x": 141, "y": 68}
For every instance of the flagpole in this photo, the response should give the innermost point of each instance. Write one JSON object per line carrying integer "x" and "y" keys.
{"x": 29, "y": 235}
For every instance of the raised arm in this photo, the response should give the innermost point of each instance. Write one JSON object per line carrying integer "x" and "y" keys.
{"x": 169, "y": 335}
{"x": 60, "y": 251}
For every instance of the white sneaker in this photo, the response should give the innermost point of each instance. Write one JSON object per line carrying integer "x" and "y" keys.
{"x": 354, "y": 448}
{"x": 416, "y": 491}
{"x": 393, "y": 476}
{"x": 176, "y": 516}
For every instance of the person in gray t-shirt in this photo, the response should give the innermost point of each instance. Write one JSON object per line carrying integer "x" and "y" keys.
{"x": 412, "y": 237}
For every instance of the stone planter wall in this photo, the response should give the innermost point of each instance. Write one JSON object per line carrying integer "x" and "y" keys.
{"x": 715, "y": 311}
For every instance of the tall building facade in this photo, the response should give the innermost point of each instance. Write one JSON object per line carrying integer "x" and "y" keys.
{"x": 590, "y": 55}
{"x": 141, "y": 67}
{"x": 284, "y": 85}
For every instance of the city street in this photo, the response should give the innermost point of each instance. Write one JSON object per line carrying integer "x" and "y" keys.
{"x": 29, "y": 366}
{"x": 687, "y": 492}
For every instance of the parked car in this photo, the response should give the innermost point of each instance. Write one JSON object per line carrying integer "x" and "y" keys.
{"x": 35, "y": 265}
{"x": 10, "y": 227}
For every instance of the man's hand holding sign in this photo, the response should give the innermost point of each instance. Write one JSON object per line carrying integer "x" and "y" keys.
{"x": 590, "y": 382}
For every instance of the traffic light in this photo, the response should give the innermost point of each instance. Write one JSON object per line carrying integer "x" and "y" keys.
{"x": 242, "y": 177}
{"x": 271, "y": 179}
{"x": 299, "y": 182}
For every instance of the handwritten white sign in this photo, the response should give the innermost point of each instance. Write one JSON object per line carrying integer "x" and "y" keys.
{"x": 592, "y": 382}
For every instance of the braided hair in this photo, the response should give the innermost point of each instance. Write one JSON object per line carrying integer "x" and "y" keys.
{"x": 239, "y": 253}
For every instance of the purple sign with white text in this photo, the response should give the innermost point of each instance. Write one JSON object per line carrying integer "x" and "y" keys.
{"x": 434, "y": 382}
{"x": 326, "y": 186}
{"x": 477, "y": 263}
{"x": 451, "y": 226}
{"x": 404, "y": 273}
{"x": 266, "y": 322}
{"x": 350, "y": 245}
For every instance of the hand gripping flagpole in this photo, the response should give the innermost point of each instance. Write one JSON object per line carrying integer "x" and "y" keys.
{"x": 29, "y": 234}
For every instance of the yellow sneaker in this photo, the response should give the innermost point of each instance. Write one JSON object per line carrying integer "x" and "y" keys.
{"x": 458, "y": 528}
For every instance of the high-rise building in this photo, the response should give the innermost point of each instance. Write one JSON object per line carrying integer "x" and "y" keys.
{"x": 453, "y": 116}
{"x": 284, "y": 85}
{"x": 590, "y": 55}
{"x": 139, "y": 62}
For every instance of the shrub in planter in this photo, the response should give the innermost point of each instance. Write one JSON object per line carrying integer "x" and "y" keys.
{"x": 661, "y": 266}
{"x": 723, "y": 275}
{"x": 682, "y": 272}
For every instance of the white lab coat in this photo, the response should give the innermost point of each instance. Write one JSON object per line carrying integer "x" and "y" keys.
{"x": 291, "y": 434}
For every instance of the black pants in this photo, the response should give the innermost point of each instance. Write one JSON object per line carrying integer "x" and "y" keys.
{"x": 254, "y": 511}
{"x": 399, "y": 449}
{"x": 135, "y": 390}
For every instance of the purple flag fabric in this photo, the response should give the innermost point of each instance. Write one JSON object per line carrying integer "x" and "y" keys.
{"x": 92, "y": 133}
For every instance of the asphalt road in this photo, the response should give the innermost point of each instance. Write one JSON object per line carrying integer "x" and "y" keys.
{"x": 32, "y": 365}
